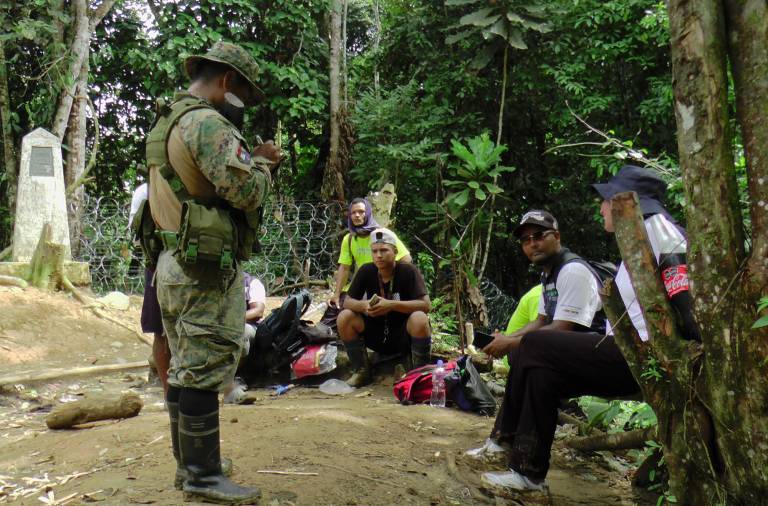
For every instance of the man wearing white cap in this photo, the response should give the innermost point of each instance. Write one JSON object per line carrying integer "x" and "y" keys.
{"x": 387, "y": 304}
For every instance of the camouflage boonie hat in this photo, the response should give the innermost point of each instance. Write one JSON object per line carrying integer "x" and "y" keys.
{"x": 232, "y": 55}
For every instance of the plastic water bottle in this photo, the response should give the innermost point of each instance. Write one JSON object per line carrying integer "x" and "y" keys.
{"x": 438, "y": 386}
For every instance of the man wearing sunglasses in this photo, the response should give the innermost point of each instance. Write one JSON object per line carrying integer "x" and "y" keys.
{"x": 569, "y": 307}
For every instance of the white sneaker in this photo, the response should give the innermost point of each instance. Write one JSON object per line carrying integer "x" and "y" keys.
{"x": 512, "y": 479}
{"x": 489, "y": 449}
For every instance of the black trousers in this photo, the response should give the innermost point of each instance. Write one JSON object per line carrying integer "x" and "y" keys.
{"x": 546, "y": 367}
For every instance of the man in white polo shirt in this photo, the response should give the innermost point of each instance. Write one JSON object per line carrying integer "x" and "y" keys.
{"x": 569, "y": 308}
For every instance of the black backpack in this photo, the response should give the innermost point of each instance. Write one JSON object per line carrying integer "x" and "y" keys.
{"x": 278, "y": 331}
{"x": 602, "y": 270}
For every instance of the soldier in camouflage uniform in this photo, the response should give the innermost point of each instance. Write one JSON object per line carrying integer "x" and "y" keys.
{"x": 202, "y": 304}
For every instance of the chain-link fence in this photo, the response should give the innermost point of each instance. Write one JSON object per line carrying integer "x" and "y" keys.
{"x": 500, "y": 306}
{"x": 299, "y": 242}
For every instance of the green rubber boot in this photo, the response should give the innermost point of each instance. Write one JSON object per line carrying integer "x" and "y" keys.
{"x": 201, "y": 458}
{"x": 181, "y": 473}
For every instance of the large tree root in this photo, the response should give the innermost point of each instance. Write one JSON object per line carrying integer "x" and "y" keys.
{"x": 95, "y": 309}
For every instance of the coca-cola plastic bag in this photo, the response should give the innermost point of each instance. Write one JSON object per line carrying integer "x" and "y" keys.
{"x": 316, "y": 359}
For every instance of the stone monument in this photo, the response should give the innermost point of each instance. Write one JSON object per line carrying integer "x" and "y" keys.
{"x": 41, "y": 199}
{"x": 41, "y": 196}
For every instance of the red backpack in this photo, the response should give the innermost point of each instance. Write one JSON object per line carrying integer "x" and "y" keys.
{"x": 416, "y": 386}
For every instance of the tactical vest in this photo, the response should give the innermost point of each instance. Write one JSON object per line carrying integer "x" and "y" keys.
{"x": 211, "y": 230}
{"x": 549, "y": 292}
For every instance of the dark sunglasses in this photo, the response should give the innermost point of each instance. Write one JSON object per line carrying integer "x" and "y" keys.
{"x": 536, "y": 236}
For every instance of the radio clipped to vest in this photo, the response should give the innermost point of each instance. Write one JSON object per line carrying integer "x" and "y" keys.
{"x": 207, "y": 234}
{"x": 248, "y": 224}
{"x": 143, "y": 230}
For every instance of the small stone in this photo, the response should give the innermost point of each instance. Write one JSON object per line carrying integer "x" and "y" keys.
{"x": 233, "y": 420}
{"x": 116, "y": 344}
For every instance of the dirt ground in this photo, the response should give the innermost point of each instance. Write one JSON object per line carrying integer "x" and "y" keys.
{"x": 362, "y": 449}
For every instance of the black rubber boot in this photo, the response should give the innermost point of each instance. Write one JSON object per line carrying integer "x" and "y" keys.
{"x": 181, "y": 473}
{"x": 201, "y": 457}
{"x": 420, "y": 349}
{"x": 361, "y": 366}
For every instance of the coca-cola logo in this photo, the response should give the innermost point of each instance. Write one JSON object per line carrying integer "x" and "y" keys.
{"x": 675, "y": 279}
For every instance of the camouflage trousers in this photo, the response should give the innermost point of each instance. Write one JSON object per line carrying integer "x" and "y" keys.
{"x": 203, "y": 316}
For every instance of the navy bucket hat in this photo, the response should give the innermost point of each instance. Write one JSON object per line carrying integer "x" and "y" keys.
{"x": 650, "y": 188}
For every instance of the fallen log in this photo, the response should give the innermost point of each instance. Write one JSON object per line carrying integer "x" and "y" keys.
{"x": 68, "y": 415}
{"x": 616, "y": 441}
{"x": 64, "y": 373}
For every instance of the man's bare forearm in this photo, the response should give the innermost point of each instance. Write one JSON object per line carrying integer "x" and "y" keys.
{"x": 411, "y": 306}
{"x": 342, "y": 274}
{"x": 358, "y": 306}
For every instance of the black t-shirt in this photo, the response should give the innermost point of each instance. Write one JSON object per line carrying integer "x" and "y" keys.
{"x": 406, "y": 284}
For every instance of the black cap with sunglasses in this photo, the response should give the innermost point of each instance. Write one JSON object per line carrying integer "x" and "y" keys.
{"x": 536, "y": 217}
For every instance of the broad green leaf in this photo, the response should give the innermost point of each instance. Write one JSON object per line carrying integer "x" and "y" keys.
{"x": 480, "y": 194}
{"x": 515, "y": 39}
{"x": 536, "y": 25}
{"x": 462, "y": 198}
{"x": 499, "y": 28}
{"x": 482, "y": 17}
{"x": 762, "y": 322}
{"x": 494, "y": 189}
{"x": 515, "y": 18}
{"x": 456, "y": 37}
{"x": 762, "y": 304}
{"x": 483, "y": 58}
{"x": 474, "y": 185}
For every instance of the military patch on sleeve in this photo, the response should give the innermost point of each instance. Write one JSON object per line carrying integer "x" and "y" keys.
{"x": 243, "y": 155}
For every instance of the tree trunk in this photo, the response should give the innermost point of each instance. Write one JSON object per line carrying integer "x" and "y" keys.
{"x": 727, "y": 280}
{"x": 9, "y": 152}
{"x": 84, "y": 25}
{"x": 343, "y": 48}
{"x": 79, "y": 51}
{"x": 747, "y": 24}
{"x": 708, "y": 451}
{"x": 76, "y": 155}
{"x": 376, "y": 43}
{"x": 333, "y": 178}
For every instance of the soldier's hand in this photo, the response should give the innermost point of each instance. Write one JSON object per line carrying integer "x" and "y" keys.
{"x": 269, "y": 151}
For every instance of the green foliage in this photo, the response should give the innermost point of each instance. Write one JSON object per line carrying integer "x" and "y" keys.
{"x": 763, "y": 320}
{"x": 652, "y": 370}
{"x": 445, "y": 335}
{"x": 426, "y": 265}
{"x": 504, "y": 21}
{"x": 477, "y": 174}
{"x": 617, "y": 415}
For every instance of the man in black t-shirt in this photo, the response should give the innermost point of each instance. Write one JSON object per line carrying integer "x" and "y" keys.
{"x": 387, "y": 303}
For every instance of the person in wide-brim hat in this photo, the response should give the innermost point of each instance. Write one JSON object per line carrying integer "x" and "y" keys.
{"x": 234, "y": 56}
